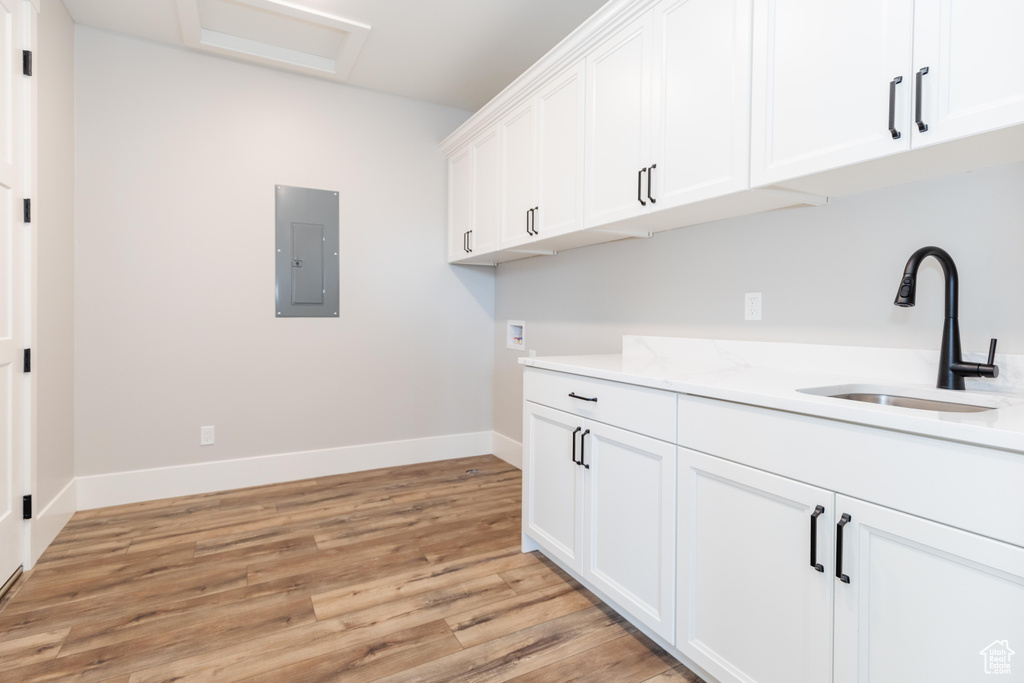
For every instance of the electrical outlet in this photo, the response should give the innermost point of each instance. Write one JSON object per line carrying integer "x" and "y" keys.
{"x": 206, "y": 436}
{"x": 752, "y": 306}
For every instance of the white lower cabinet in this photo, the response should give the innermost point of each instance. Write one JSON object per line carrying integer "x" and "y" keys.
{"x": 751, "y": 605}
{"x": 602, "y": 501}
{"x": 925, "y": 602}
{"x": 898, "y": 598}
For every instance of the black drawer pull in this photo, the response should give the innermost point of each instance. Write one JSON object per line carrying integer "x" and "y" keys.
{"x": 583, "y": 443}
{"x": 843, "y": 521}
{"x": 818, "y": 510}
{"x": 650, "y": 175}
{"x": 572, "y": 394}
{"x": 574, "y": 433}
{"x": 892, "y": 107}
{"x": 640, "y": 187}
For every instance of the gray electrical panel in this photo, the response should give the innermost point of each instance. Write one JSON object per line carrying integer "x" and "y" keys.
{"x": 307, "y": 252}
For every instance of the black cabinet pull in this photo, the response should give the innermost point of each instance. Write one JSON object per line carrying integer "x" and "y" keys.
{"x": 469, "y": 241}
{"x": 640, "y": 187}
{"x": 818, "y": 510}
{"x": 465, "y": 241}
{"x": 583, "y": 443}
{"x": 574, "y": 433}
{"x": 572, "y": 394}
{"x": 534, "y": 220}
{"x": 528, "y": 230}
{"x": 921, "y": 125}
{"x": 650, "y": 174}
{"x": 892, "y": 107}
{"x": 843, "y": 521}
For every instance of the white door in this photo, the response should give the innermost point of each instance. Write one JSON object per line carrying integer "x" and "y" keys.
{"x": 14, "y": 242}
{"x": 752, "y": 608}
{"x": 618, "y": 123}
{"x": 486, "y": 152}
{"x": 552, "y": 491}
{"x": 822, "y": 77}
{"x": 560, "y": 107}
{"x": 925, "y": 602}
{"x": 702, "y": 99}
{"x": 518, "y": 160}
{"x": 460, "y": 204}
{"x": 969, "y": 59}
{"x": 630, "y": 523}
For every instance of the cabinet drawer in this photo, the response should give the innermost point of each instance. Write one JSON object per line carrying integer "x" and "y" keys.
{"x": 638, "y": 409}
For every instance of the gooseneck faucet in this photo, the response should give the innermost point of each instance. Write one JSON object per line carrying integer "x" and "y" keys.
{"x": 952, "y": 368}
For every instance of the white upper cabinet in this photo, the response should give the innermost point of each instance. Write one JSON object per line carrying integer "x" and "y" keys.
{"x": 701, "y": 100}
{"x": 560, "y": 106}
{"x": 618, "y": 124}
{"x": 518, "y": 162}
{"x": 460, "y": 204}
{"x": 827, "y": 78}
{"x": 969, "y": 60}
{"x": 486, "y": 152}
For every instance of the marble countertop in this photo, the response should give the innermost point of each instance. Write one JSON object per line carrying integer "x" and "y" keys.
{"x": 772, "y": 375}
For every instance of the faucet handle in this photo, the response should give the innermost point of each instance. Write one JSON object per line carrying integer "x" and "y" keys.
{"x": 992, "y": 351}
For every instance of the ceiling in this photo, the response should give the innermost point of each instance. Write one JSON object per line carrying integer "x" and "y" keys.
{"x": 459, "y": 53}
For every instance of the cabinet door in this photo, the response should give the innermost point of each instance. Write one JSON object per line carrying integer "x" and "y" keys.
{"x": 518, "y": 160}
{"x": 552, "y": 482}
{"x": 821, "y": 84}
{"x": 925, "y": 602}
{"x": 974, "y": 57}
{"x": 630, "y": 522}
{"x": 701, "y": 99}
{"x": 460, "y": 203}
{"x": 486, "y": 151}
{"x": 560, "y": 107}
{"x": 618, "y": 123}
{"x": 751, "y": 606}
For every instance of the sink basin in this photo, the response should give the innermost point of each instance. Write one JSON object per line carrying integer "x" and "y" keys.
{"x": 916, "y": 398}
{"x": 915, "y": 403}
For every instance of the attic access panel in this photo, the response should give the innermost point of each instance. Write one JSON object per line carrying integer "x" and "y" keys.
{"x": 306, "y": 224}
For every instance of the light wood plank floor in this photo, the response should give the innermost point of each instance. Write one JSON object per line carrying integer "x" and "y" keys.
{"x": 403, "y": 574}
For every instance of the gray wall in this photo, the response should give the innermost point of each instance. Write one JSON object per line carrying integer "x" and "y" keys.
{"x": 828, "y": 276}
{"x": 177, "y": 157}
{"x": 53, "y": 207}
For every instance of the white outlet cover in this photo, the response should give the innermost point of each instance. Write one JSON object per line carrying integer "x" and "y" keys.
{"x": 206, "y": 436}
{"x": 752, "y": 306}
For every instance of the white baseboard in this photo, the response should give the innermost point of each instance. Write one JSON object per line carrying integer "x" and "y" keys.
{"x": 48, "y": 522}
{"x": 118, "y": 488}
{"x": 508, "y": 450}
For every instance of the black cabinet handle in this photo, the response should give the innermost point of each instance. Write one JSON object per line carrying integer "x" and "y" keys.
{"x": 465, "y": 241}
{"x": 640, "y": 187}
{"x": 583, "y": 443}
{"x": 574, "y": 433}
{"x": 528, "y": 213}
{"x": 650, "y": 174}
{"x": 469, "y": 241}
{"x": 921, "y": 125}
{"x": 534, "y": 220}
{"x": 572, "y": 394}
{"x": 892, "y": 107}
{"x": 843, "y": 521}
{"x": 818, "y": 510}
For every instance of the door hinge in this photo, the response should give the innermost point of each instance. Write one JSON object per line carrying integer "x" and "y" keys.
{"x": 26, "y": 364}
{"x": 27, "y": 210}
{"x": 26, "y": 62}
{"x": 26, "y": 507}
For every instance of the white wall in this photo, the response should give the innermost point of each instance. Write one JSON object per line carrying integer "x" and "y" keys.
{"x": 828, "y": 276}
{"x": 53, "y": 209}
{"x": 177, "y": 157}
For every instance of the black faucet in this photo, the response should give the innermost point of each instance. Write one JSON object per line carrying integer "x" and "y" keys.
{"x": 952, "y": 368}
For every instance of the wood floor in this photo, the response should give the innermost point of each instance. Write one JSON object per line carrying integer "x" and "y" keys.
{"x": 403, "y": 574}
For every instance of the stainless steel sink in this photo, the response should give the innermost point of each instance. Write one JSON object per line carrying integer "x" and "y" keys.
{"x": 916, "y": 403}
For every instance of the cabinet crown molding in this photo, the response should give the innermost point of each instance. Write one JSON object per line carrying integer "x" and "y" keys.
{"x": 599, "y": 26}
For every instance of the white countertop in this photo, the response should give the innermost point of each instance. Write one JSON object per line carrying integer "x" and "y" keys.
{"x": 771, "y": 375}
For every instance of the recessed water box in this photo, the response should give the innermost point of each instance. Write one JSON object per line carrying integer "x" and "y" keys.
{"x": 515, "y": 336}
